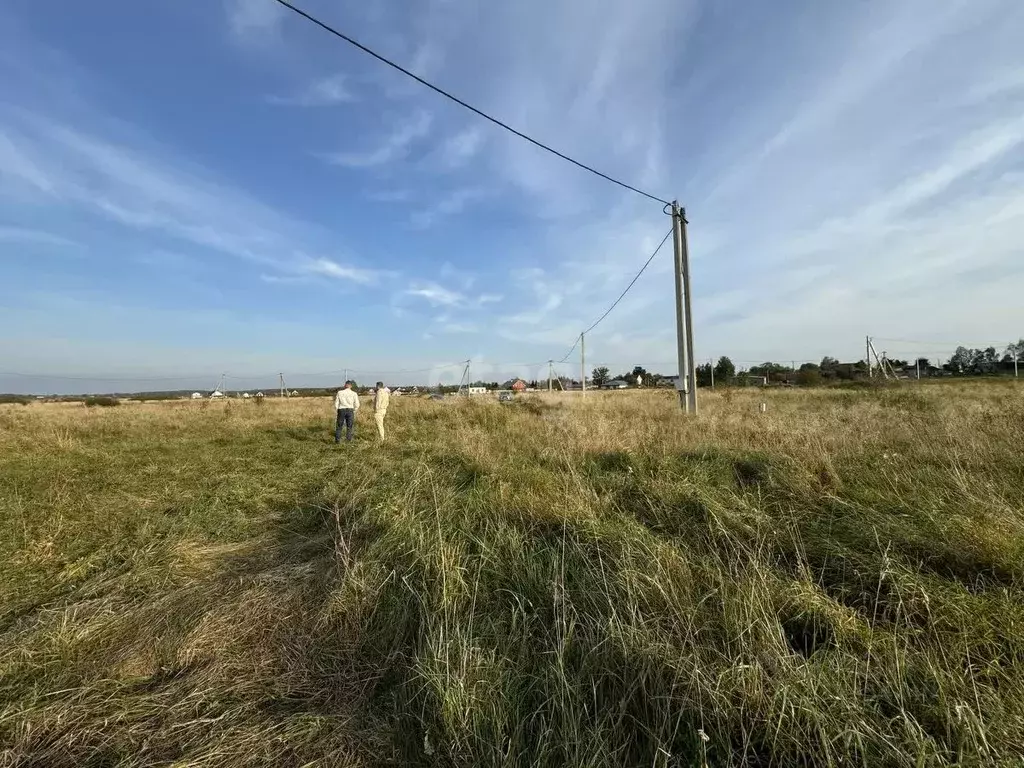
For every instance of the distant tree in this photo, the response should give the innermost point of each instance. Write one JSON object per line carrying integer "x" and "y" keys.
{"x": 638, "y": 376}
{"x": 923, "y": 363}
{"x": 600, "y": 376}
{"x": 725, "y": 371}
{"x": 765, "y": 369}
{"x": 704, "y": 375}
{"x": 1016, "y": 351}
{"x": 964, "y": 360}
{"x": 829, "y": 364}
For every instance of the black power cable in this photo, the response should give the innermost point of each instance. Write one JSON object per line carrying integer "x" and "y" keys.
{"x": 621, "y": 295}
{"x": 460, "y": 102}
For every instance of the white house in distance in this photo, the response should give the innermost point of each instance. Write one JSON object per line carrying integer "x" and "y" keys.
{"x": 615, "y": 384}
{"x": 478, "y": 390}
{"x": 216, "y": 394}
{"x": 197, "y": 396}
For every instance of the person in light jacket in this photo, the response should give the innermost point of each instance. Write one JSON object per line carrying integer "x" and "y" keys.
{"x": 381, "y": 398}
{"x": 346, "y": 401}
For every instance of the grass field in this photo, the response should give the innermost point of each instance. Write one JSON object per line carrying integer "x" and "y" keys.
{"x": 838, "y": 581}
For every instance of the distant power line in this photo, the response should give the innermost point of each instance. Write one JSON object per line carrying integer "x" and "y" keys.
{"x": 460, "y": 102}
{"x": 621, "y": 295}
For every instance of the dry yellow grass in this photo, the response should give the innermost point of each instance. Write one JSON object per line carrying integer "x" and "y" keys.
{"x": 556, "y": 581}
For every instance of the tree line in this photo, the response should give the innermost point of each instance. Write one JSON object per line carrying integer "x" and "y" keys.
{"x": 964, "y": 362}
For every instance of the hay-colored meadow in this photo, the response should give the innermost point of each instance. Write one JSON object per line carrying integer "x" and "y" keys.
{"x": 551, "y": 582}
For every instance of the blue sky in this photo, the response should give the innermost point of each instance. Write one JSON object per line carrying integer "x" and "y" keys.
{"x": 191, "y": 188}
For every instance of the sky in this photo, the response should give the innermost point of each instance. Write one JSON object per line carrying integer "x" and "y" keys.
{"x": 190, "y": 189}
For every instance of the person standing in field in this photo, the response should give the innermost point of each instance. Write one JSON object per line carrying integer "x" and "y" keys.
{"x": 346, "y": 402}
{"x": 381, "y": 398}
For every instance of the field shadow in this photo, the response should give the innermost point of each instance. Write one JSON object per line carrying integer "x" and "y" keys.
{"x": 236, "y": 647}
{"x": 307, "y": 433}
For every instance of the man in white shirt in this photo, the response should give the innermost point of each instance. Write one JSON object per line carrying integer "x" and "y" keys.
{"x": 381, "y": 398}
{"x": 346, "y": 402}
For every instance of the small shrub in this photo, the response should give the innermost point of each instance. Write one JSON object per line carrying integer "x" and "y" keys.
{"x": 102, "y": 402}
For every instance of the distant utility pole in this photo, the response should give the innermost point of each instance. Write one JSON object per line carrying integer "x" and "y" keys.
{"x": 583, "y": 365}
{"x": 465, "y": 374}
{"x": 919, "y": 369}
{"x": 867, "y": 356}
{"x": 711, "y": 367}
{"x": 686, "y": 384}
{"x": 280, "y": 376}
{"x": 549, "y": 374}
{"x": 881, "y": 366}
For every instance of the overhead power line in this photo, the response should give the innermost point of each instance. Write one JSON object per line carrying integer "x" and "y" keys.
{"x": 460, "y": 102}
{"x": 621, "y": 295}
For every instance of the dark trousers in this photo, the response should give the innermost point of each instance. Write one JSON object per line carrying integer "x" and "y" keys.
{"x": 346, "y": 418}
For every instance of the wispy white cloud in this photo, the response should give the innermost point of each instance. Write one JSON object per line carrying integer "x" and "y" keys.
{"x": 438, "y": 295}
{"x": 434, "y": 294}
{"x": 395, "y": 146}
{"x": 19, "y": 171}
{"x": 136, "y": 188}
{"x": 453, "y": 326}
{"x": 324, "y": 92}
{"x": 329, "y": 268}
{"x": 36, "y": 236}
{"x": 450, "y": 204}
{"x": 460, "y": 149}
{"x": 463, "y": 277}
{"x": 249, "y": 19}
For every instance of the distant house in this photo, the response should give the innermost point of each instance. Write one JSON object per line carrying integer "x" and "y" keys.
{"x": 197, "y": 396}
{"x": 259, "y": 394}
{"x": 615, "y": 384}
{"x": 216, "y": 394}
{"x": 295, "y": 393}
{"x": 246, "y": 395}
{"x": 518, "y": 386}
{"x": 477, "y": 390}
